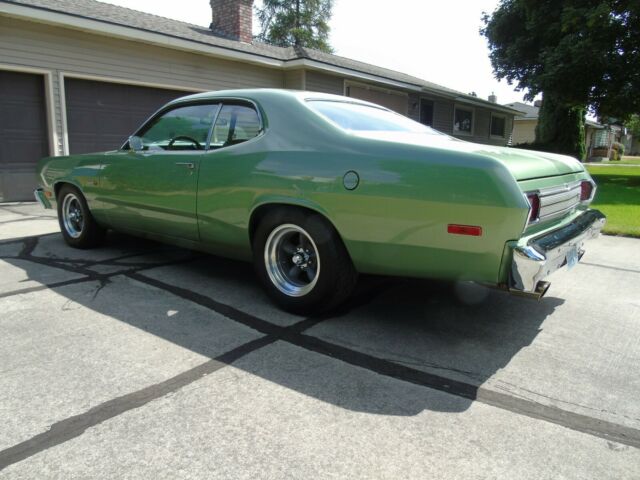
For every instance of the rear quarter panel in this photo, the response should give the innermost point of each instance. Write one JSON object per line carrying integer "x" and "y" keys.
{"x": 396, "y": 221}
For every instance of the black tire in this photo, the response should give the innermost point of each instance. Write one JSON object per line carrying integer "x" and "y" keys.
{"x": 78, "y": 231}
{"x": 336, "y": 276}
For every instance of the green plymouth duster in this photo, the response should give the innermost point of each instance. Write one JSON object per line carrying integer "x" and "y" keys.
{"x": 315, "y": 188}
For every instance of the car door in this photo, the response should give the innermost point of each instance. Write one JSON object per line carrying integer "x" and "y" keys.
{"x": 224, "y": 192}
{"x": 151, "y": 186}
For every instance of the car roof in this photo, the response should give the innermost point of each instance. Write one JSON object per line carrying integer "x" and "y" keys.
{"x": 261, "y": 94}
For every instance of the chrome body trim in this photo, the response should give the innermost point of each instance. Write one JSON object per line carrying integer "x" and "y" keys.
{"x": 556, "y": 202}
{"x": 44, "y": 202}
{"x": 545, "y": 254}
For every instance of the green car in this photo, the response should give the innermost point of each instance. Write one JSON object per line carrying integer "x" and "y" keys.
{"x": 316, "y": 188}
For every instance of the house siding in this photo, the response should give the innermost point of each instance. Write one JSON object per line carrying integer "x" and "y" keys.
{"x": 442, "y": 115}
{"x": 294, "y": 79}
{"x": 320, "y": 82}
{"x": 442, "y": 111}
{"x": 67, "y": 51}
{"x": 524, "y": 131}
{"x": 85, "y": 54}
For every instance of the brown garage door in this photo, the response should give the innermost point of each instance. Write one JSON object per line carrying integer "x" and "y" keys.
{"x": 397, "y": 102}
{"x": 23, "y": 133}
{"x": 101, "y": 115}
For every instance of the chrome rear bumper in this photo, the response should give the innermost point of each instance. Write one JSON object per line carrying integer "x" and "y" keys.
{"x": 41, "y": 198}
{"x": 545, "y": 254}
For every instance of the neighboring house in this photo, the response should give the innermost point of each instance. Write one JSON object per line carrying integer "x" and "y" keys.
{"x": 632, "y": 145}
{"x": 81, "y": 75}
{"x": 598, "y": 137}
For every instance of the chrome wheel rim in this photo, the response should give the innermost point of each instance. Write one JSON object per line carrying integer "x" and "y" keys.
{"x": 72, "y": 217}
{"x": 292, "y": 260}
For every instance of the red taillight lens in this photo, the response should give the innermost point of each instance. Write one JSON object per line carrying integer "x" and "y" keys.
{"x": 534, "y": 201}
{"x": 586, "y": 189}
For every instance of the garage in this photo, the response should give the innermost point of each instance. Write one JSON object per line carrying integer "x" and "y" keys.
{"x": 395, "y": 101}
{"x": 101, "y": 115}
{"x": 23, "y": 133}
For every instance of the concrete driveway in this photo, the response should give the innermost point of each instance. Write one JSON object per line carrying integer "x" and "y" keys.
{"x": 138, "y": 360}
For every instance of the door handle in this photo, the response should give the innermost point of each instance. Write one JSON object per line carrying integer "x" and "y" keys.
{"x": 189, "y": 165}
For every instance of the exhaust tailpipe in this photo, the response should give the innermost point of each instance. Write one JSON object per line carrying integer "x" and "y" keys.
{"x": 538, "y": 292}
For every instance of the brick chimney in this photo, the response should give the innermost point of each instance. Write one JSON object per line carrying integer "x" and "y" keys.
{"x": 232, "y": 19}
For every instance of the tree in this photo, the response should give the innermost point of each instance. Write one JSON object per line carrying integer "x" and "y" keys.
{"x": 297, "y": 23}
{"x": 633, "y": 125}
{"x": 580, "y": 54}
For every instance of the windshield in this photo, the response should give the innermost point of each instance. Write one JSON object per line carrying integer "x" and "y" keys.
{"x": 357, "y": 117}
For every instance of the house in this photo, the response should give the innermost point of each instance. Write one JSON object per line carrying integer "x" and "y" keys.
{"x": 598, "y": 137}
{"x": 81, "y": 75}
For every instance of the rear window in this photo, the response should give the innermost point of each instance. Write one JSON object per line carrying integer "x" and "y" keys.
{"x": 357, "y": 117}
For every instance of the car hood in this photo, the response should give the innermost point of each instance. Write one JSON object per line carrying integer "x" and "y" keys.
{"x": 523, "y": 164}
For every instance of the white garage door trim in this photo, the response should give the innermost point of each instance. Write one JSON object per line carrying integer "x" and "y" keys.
{"x": 97, "y": 78}
{"x": 52, "y": 135}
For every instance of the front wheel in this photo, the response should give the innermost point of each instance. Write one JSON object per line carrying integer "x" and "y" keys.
{"x": 79, "y": 228}
{"x": 302, "y": 262}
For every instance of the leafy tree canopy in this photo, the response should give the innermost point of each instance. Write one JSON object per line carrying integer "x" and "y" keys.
{"x": 298, "y": 23}
{"x": 633, "y": 124}
{"x": 586, "y": 53}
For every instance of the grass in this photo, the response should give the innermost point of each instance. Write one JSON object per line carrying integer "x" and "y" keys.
{"x": 618, "y": 197}
{"x": 629, "y": 161}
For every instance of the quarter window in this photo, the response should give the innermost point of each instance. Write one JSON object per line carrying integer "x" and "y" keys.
{"x": 183, "y": 128}
{"x": 463, "y": 121}
{"x": 235, "y": 124}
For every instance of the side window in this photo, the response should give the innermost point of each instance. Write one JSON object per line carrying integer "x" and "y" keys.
{"x": 235, "y": 124}
{"x": 183, "y": 128}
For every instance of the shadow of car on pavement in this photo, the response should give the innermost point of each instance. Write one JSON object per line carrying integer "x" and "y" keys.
{"x": 447, "y": 333}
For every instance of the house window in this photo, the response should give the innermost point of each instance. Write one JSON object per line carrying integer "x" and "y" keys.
{"x": 426, "y": 112}
{"x": 498, "y": 125}
{"x": 463, "y": 121}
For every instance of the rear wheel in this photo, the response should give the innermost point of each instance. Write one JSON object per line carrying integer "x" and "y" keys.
{"x": 79, "y": 228}
{"x": 302, "y": 262}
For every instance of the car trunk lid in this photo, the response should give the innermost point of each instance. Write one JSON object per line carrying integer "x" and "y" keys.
{"x": 523, "y": 164}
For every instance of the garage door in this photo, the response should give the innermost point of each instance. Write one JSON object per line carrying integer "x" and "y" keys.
{"x": 101, "y": 115}
{"x": 23, "y": 133}
{"x": 394, "y": 101}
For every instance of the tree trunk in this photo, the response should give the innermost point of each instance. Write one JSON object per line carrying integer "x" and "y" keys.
{"x": 560, "y": 127}
{"x": 296, "y": 36}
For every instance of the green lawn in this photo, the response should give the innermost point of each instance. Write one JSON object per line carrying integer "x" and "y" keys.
{"x": 618, "y": 197}
{"x": 629, "y": 161}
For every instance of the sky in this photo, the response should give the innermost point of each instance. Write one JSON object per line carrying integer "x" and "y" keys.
{"x": 438, "y": 41}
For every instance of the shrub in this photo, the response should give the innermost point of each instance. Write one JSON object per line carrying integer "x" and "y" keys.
{"x": 617, "y": 151}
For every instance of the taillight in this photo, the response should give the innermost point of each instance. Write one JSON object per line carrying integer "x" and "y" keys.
{"x": 534, "y": 202}
{"x": 586, "y": 190}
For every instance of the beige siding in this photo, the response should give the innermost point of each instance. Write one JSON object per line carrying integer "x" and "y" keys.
{"x": 481, "y": 124}
{"x": 396, "y": 101}
{"x": 320, "y": 82}
{"x": 74, "y": 52}
{"x": 443, "y": 115}
{"x": 524, "y": 131}
{"x": 294, "y": 79}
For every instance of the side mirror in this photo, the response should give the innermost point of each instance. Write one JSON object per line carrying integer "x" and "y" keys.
{"x": 135, "y": 144}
